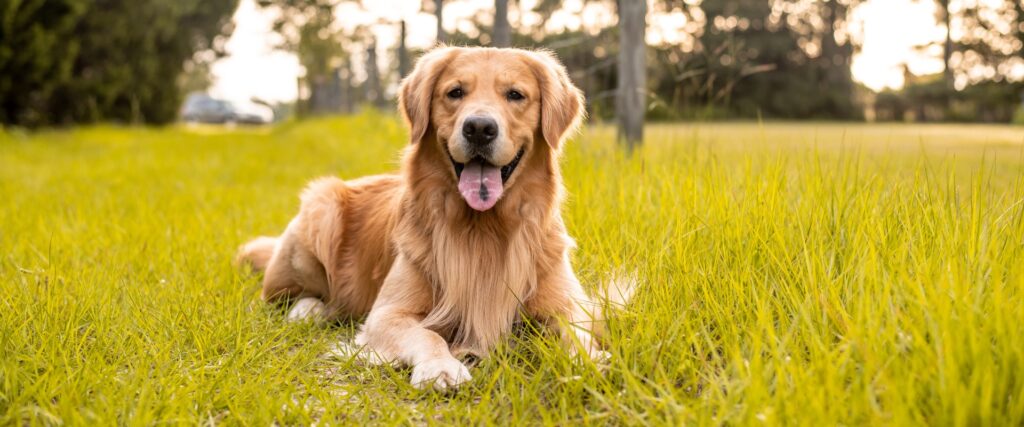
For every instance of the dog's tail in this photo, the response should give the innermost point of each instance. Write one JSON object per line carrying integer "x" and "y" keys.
{"x": 257, "y": 253}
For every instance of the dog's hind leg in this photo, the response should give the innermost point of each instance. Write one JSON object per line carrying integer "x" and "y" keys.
{"x": 300, "y": 268}
{"x": 294, "y": 274}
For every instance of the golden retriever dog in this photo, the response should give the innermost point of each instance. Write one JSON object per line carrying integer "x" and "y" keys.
{"x": 444, "y": 257}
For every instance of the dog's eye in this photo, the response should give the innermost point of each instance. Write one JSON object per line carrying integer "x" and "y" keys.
{"x": 514, "y": 95}
{"x": 455, "y": 93}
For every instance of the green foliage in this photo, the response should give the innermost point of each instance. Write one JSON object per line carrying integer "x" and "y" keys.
{"x": 308, "y": 28}
{"x": 1018, "y": 117}
{"x": 929, "y": 99}
{"x": 791, "y": 275}
{"x": 38, "y": 48}
{"x": 752, "y": 61}
{"x": 69, "y": 61}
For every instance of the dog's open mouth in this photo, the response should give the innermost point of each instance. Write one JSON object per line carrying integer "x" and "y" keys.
{"x": 482, "y": 183}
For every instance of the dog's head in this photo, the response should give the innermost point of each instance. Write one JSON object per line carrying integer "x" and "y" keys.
{"x": 489, "y": 108}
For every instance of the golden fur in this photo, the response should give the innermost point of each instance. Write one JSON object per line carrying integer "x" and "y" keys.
{"x": 433, "y": 276}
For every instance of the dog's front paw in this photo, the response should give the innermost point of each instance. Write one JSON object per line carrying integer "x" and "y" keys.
{"x": 599, "y": 357}
{"x": 307, "y": 309}
{"x": 441, "y": 373}
{"x": 595, "y": 355}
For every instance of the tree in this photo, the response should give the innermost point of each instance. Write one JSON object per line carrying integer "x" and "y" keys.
{"x": 995, "y": 40}
{"x": 980, "y": 59}
{"x": 630, "y": 103}
{"x": 835, "y": 60}
{"x": 754, "y": 58}
{"x": 37, "y": 55}
{"x": 309, "y": 28}
{"x": 944, "y": 91}
{"x": 97, "y": 60}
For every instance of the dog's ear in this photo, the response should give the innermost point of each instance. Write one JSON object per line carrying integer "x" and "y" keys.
{"x": 416, "y": 91}
{"x": 561, "y": 102}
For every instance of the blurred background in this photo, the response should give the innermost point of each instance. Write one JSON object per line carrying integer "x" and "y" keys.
{"x": 66, "y": 62}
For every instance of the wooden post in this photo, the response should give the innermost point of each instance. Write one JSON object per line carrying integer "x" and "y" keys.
{"x": 947, "y": 47}
{"x": 630, "y": 103}
{"x": 438, "y": 11}
{"x": 502, "y": 36}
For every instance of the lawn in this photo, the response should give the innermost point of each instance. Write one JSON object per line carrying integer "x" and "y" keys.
{"x": 813, "y": 274}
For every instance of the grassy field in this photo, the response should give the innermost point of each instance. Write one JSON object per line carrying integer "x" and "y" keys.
{"x": 812, "y": 274}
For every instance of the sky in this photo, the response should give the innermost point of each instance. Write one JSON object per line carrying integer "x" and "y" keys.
{"x": 254, "y": 68}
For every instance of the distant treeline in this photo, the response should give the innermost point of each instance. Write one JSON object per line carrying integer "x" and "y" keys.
{"x": 80, "y": 61}
{"x": 737, "y": 58}
{"x": 733, "y": 59}
{"x": 83, "y": 61}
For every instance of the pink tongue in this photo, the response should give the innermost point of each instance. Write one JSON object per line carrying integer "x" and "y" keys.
{"x": 480, "y": 184}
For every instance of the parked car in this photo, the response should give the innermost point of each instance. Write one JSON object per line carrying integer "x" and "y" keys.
{"x": 201, "y": 108}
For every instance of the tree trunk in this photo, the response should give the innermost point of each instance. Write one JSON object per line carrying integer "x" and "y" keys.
{"x": 438, "y": 11}
{"x": 347, "y": 91}
{"x": 837, "y": 84}
{"x": 1018, "y": 8}
{"x": 829, "y": 47}
{"x": 502, "y": 36}
{"x": 947, "y": 70}
{"x": 631, "y": 92}
{"x": 403, "y": 54}
{"x": 374, "y": 92}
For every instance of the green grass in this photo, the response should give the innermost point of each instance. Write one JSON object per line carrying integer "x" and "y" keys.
{"x": 813, "y": 274}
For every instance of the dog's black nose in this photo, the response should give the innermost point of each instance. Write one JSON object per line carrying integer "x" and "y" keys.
{"x": 480, "y": 130}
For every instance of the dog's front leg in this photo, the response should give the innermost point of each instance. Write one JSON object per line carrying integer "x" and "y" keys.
{"x": 562, "y": 304}
{"x": 394, "y": 330}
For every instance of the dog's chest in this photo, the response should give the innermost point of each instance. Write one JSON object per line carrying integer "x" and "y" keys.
{"x": 479, "y": 284}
